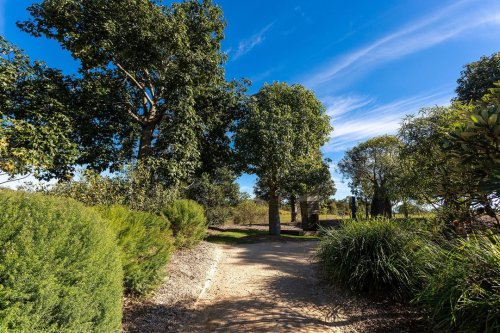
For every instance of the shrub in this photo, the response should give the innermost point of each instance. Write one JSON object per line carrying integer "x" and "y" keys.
{"x": 188, "y": 222}
{"x": 250, "y": 212}
{"x": 463, "y": 293}
{"x": 60, "y": 269}
{"x": 374, "y": 256}
{"x": 146, "y": 243}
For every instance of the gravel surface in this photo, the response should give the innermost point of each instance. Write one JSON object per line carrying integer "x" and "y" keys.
{"x": 168, "y": 308}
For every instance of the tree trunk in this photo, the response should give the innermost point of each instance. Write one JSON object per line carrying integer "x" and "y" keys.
{"x": 377, "y": 208}
{"x": 274, "y": 214}
{"x": 146, "y": 142}
{"x": 293, "y": 208}
{"x": 366, "y": 207}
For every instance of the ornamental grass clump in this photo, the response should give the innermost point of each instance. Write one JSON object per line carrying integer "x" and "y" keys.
{"x": 146, "y": 244}
{"x": 463, "y": 292}
{"x": 60, "y": 268}
{"x": 376, "y": 257}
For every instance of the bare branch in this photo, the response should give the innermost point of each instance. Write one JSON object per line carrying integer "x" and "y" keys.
{"x": 137, "y": 83}
{"x": 15, "y": 179}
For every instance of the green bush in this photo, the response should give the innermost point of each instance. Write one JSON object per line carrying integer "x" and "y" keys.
{"x": 188, "y": 222}
{"x": 60, "y": 269}
{"x": 146, "y": 244}
{"x": 463, "y": 292}
{"x": 250, "y": 212}
{"x": 375, "y": 257}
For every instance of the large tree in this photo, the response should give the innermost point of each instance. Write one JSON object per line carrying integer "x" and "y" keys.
{"x": 372, "y": 168}
{"x": 36, "y": 131}
{"x": 283, "y": 128}
{"x": 152, "y": 80}
{"x": 477, "y": 78}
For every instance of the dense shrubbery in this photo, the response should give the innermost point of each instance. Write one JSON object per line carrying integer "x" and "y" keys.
{"x": 250, "y": 212}
{"x": 188, "y": 222}
{"x": 374, "y": 256}
{"x": 146, "y": 243}
{"x": 60, "y": 269}
{"x": 463, "y": 292}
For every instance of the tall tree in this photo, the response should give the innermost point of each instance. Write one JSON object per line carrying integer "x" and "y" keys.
{"x": 372, "y": 168}
{"x": 477, "y": 78}
{"x": 283, "y": 127}
{"x": 157, "y": 68}
{"x": 36, "y": 133}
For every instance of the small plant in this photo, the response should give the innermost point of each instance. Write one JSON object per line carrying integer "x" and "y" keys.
{"x": 146, "y": 244}
{"x": 60, "y": 269}
{"x": 374, "y": 256}
{"x": 463, "y": 293}
{"x": 188, "y": 222}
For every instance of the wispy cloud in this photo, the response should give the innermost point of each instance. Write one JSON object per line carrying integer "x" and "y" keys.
{"x": 247, "y": 45}
{"x": 338, "y": 106}
{"x": 418, "y": 35}
{"x": 371, "y": 119}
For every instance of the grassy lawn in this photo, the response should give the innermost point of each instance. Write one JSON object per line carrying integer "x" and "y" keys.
{"x": 250, "y": 236}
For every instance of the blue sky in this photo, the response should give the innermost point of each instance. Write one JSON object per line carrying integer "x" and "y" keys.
{"x": 369, "y": 62}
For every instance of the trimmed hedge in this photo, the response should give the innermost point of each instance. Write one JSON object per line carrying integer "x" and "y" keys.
{"x": 375, "y": 256}
{"x": 188, "y": 222}
{"x": 60, "y": 269}
{"x": 146, "y": 244}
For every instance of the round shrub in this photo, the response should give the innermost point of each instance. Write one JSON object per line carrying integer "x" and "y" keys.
{"x": 463, "y": 292}
{"x": 188, "y": 222}
{"x": 146, "y": 244}
{"x": 60, "y": 269}
{"x": 375, "y": 257}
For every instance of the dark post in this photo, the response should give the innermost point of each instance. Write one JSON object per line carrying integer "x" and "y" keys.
{"x": 353, "y": 207}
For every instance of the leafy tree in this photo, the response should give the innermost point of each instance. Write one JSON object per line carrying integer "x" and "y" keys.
{"x": 157, "y": 78}
{"x": 372, "y": 167}
{"x": 477, "y": 78}
{"x": 36, "y": 133}
{"x": 283, "y": 128}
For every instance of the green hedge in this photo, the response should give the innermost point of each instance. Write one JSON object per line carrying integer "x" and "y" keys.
{"x": 463, "y": 292}
{"x": 146, "y": 244}
{"x": 60, "y": 269}
{"x": 188, "y": 222}
{"x": 375, "y": 256}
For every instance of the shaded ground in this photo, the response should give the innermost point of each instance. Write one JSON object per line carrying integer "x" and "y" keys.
{"x": 272, "y": 287}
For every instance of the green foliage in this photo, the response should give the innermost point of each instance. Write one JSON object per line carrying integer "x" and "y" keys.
{"x": 250, "y": 212}
{"x": 477, "y": 78}
{"x": 145, "y": 241}
{"x": 282, "y": 129}
{"x": 36, "y": 133}
{"x": 463, "y": 292}
{"x": 60, "y": 269}
{"x": 188, "y": 222}
{"x": 373, "y": 256}
{"x": 136, "y": 189}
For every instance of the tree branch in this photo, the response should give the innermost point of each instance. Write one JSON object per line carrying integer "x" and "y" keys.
{"x": 13, "y": 180}
{"x": 137, "y": 83}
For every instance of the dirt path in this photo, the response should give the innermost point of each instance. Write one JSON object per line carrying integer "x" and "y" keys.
{"x": 264, "y": 287}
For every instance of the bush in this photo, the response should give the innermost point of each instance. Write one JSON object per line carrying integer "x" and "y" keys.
{"x": 249, "y": 212}
{"x": 463, "y": 293}
{"x": 60, "y": 269}
{"x": 374, "y": 256}
{"x": 188, "y": 222}
{"x": 146, "y": 244}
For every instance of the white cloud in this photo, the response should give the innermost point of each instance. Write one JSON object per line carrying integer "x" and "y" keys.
{"x": 337, "y": 106}
{"x": 247, "y": 45}
{"x": 371, "y": 119}
{"x": 418, "y": 35}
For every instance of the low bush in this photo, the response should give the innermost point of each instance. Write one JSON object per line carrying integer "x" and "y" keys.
{"x": 375, "y": 256}
{"x": 146, "y": 244}
{"x": 60, "y": 269}
{"x": 250, "y": 212}
{"x": 188, "y": 222}
{"x": 463, "y": 292}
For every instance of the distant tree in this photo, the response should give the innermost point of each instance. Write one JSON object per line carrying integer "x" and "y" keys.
{"x": 283, "y": 128}
{"x": 36, "y": 133}
{"x": 372, "y": 167}
{"x": 477, "y": 78}
{"x": 153, "y": 81}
